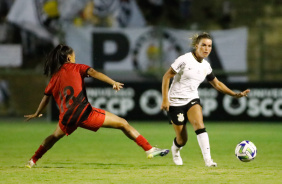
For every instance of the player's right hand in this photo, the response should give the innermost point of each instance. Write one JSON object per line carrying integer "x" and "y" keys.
{"x": 31, "y": 116}
{"x": 165, "y": 106}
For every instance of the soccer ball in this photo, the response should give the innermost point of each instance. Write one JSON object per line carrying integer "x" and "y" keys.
{"x": 245, "y": 151}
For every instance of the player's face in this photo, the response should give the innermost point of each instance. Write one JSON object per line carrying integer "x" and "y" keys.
{"x": 71, "y": 58}
{"x": 203, "y": 49}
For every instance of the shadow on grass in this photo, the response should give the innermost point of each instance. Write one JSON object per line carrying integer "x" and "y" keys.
{"x": 100, "y": 165}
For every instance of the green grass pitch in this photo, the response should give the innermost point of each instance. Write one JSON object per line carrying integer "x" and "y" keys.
{"x": 108, "y": 156}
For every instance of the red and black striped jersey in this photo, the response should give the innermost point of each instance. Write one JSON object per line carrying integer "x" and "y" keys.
{"x": 67, "y": 88}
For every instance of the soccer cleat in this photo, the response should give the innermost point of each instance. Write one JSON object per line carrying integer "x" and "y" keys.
{"x": 210, "y": 163}
{"x": 175, "y": 151}
{"x": 153, "y": 152}
{"x": 30, "y": 164}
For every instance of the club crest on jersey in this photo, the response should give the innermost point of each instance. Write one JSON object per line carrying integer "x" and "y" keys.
{"x": 180, "y": 117}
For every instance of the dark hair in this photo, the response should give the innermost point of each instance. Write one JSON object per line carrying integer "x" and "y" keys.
{"x": 56, "y": 58}
{"x": 197, "y": 38}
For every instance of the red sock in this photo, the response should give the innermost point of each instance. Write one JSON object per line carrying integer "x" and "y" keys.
{"x": 39, "y": 153}
{"x": 141, "y": 141}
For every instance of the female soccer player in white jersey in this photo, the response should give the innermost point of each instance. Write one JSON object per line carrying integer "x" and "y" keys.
{"x": 182, "y": 100}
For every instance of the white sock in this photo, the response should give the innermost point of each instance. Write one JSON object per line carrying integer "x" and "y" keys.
{"x": 203, "y": 140}
{"x": 176, "y": 147}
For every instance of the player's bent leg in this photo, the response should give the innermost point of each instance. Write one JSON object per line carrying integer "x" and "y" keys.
{"x": 53, "y": 138}
{"x": 113, "y": 121}
{"x": 181, "y": 134}
{"x": 45, "y": 146}
{"x": 178, "y": 143}
{"x": 195, "y": 117}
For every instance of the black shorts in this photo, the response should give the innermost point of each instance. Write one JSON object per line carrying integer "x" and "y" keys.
{"x": 178, "y": 114}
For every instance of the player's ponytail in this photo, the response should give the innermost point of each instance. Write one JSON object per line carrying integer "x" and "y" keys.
{"x": 196, "y": 38}
{"x": 56, "y": 58}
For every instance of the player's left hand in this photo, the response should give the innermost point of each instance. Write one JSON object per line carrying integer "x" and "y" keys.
{"x": 242, "y": 94}
{"x": 31, "y": 116}
{"x": 117, "y": 86}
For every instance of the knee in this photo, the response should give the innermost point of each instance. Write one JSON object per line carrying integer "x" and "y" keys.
{"x": 123, "y": 124}
{"x": 56, "y": 136}
{"x": 197, "y": 124}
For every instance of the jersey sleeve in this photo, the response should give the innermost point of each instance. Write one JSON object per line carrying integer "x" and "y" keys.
{"x": 178, "y": 64}
{"x": 210, "y": 76}
{"x": 209, "y": 68}
{"x": 83, "y": 70}
{"x": 49, "y": 88}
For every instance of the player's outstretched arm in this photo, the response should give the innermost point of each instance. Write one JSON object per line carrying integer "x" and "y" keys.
{"x": 102, "y": 77}
{"x": 44, "y": 102}
{"x": 224, "y": 89}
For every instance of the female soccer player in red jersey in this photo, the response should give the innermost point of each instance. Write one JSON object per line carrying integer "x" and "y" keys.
{"x": 67, "y": 88}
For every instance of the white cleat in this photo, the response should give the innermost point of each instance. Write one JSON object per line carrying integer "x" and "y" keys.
{"x": 175, "y": 151}
{"x": 153, "y": 152}
{"x": 30, "y": 164}
{"x": 210, "y": 163}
